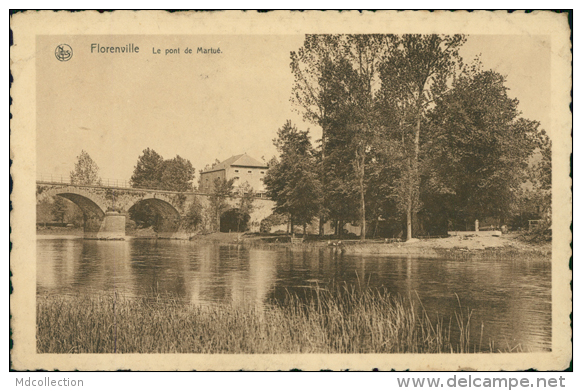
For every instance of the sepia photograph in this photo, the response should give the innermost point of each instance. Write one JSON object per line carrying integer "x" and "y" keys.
{"x": 333, "y": 190}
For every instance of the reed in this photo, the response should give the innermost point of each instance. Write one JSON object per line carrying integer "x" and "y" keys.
{"x": 343, "y": 320}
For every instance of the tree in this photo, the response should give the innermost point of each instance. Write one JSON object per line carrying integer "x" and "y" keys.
{"x": 313, "y": 68}
{"x": 221, "y": 192}
{"x": 177, "y": 174}
{"x": 245, "y": 204}
{"x": 86, "y": 171}
{"x": 194, "y": 216}
{"x": 334, "y": 88}
{"x": 153, "y": 172}
{"x": 292, "y": 180}
{"x": 147, "y": 173}
{"x": 363, "y": 55}
{"x": 536, "y": 195}
{"x": 480, "y": 148}
{"x": 59, "y": 209}
{"x": 415, "y": 70}
{"x": 541, "y": 177}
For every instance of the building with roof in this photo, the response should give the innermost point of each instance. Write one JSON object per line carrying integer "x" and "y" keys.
{"x": 242, "y": 168}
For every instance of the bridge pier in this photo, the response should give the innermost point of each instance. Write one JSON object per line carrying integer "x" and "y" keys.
{"x": 171, "y": 207}
{"x": 112, "y": 228}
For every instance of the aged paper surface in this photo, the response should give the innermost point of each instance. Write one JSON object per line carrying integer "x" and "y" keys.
{"x": 37, "y": 34}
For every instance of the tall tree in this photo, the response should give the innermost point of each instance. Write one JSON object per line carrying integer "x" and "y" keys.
{"x": 153, "y": 172}
{"x": 177, "y": 174}
{"x": 313, "y": 67}
{"x": 86, "y": 171}
{"x": 415, "y": 70}
{"x": 147, "y": 173}
{"x": 480, "y": 148}
{"x": 334, "y": 88}
{"x": 363, "y": 54}
{"x": 292, "y": 180}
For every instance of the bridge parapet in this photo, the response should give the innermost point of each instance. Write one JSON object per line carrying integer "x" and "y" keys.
{"x": 102, "y": 205}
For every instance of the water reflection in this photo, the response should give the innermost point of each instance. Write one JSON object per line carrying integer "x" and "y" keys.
{"x": 510, "y": 299}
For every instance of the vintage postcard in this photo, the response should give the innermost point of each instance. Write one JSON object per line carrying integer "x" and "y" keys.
{"x": 310, "y": 190}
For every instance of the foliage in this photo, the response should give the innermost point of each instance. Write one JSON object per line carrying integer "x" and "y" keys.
{"x": 147, "y": 173}
{"x": 315, "y": 94}
{"x": 245, "y": 206}
{"x": 86, "y": 171}
{"x": 233, "y": 220}
{"x": 221, "y": 191}
{"x": 535, "y": 198}
{"x": 292, "y": 182}
{"x": 153, "y": 172}
{"x": 59, "y": 209}
{"x": 272, "y": 220}
{"x": 334, "y": 87}
{"x": 415, "y": 72}
{"x": 540, "y": 175}
{"x": 194, "y": 218}
{"x": 411, "y": 134}
{"x": 479, "y": 149}
{"x": 177, "y": 174}
{"x": 145, "y": 215}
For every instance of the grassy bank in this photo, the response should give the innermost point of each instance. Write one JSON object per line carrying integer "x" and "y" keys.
{"x": 343, "y": 322}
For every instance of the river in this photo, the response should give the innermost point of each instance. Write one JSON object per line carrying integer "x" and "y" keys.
{"x": 510, "y": 300}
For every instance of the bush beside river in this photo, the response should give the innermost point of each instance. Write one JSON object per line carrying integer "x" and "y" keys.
{"x": 345, "y": 321}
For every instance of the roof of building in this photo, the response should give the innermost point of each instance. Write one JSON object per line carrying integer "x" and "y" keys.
{"x": 242, "y": 160}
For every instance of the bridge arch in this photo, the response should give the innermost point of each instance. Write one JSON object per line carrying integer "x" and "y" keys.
{"x": 87, "y": 205}
{"x": 161, "y": 215}
{"x": 93, "y": 212}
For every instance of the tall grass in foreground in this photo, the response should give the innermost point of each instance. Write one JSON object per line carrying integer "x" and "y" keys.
{"x": 341, "y": 321}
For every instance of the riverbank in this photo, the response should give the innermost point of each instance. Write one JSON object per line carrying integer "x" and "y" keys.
{"x": 459, "y": 247}
{"x": 59, "y": 231}
{"x": 345, "y": 321}
{"x": 507, "y": 246}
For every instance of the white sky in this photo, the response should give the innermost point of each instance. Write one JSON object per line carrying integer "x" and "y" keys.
{"x": 206, "y": 107}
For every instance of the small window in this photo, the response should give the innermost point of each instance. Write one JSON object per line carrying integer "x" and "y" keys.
{"x": 250, "y": 172}
{"x": 262, "y": 172}
{"x": 236, "y": 178}
{"x": 262, "y": 179}
{"x": 235, "y": 170}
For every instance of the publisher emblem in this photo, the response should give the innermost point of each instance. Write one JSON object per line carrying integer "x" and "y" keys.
{"x": 63, "y": 52}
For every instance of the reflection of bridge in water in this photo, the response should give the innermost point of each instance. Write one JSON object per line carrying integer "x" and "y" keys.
{"x": 105, "y": 208}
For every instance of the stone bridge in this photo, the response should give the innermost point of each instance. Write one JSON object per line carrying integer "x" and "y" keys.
{"x": 105, "y": 209}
